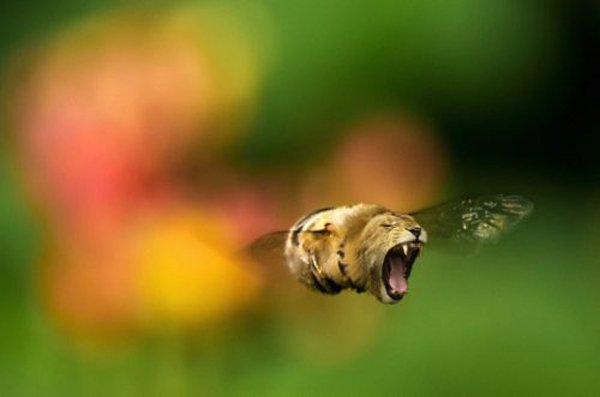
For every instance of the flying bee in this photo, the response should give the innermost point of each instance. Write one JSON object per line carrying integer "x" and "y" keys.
{"x": 366, "y": 247}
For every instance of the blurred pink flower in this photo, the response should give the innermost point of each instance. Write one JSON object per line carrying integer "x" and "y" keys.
{"x": 105, "y": 117}
{"x": 109, "y": 108}
{"x": 389, "y": 160}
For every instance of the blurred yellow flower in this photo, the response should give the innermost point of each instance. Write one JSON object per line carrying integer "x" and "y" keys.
{"x": 186, "y": 273}
{"x": 236, "y": 41}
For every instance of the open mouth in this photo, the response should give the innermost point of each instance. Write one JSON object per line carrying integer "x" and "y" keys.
{"x": 397, "y": 266}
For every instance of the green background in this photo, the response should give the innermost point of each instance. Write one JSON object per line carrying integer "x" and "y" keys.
{"x": 514, "y": 89}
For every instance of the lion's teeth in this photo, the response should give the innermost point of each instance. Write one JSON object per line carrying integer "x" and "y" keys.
{"x": 405, "y": 249}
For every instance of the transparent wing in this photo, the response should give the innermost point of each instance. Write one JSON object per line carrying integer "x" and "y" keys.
{"x": 463, "y": 225}
{"x": 268, "y": 249}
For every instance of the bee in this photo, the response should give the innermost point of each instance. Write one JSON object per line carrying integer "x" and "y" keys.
{"x": 369, "y": 248}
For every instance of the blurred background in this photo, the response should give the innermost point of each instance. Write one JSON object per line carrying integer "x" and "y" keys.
{"x": 142, "y": 145}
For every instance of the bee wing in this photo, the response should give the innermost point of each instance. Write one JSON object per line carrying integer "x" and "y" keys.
{"x": 463, "y": 225}
{"x": 268, "y": 248}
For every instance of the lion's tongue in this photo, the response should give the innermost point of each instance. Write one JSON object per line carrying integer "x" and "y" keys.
{"x": 397, "y": 270}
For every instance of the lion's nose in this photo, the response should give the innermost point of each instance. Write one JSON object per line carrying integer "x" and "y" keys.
{"x": 416, "y": 231}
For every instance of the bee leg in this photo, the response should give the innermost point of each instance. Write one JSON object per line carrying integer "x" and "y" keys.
{"x": 320, "y": 280}
{"x": 315, "y": 267}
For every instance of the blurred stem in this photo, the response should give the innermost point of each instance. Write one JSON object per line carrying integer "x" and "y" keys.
{"x": 171, "y": 376}
{"x": 184, "y": 370}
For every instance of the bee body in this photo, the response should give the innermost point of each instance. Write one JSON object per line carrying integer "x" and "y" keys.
{"x": 331, "y": 249}
{"x": 366, "y": 247}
